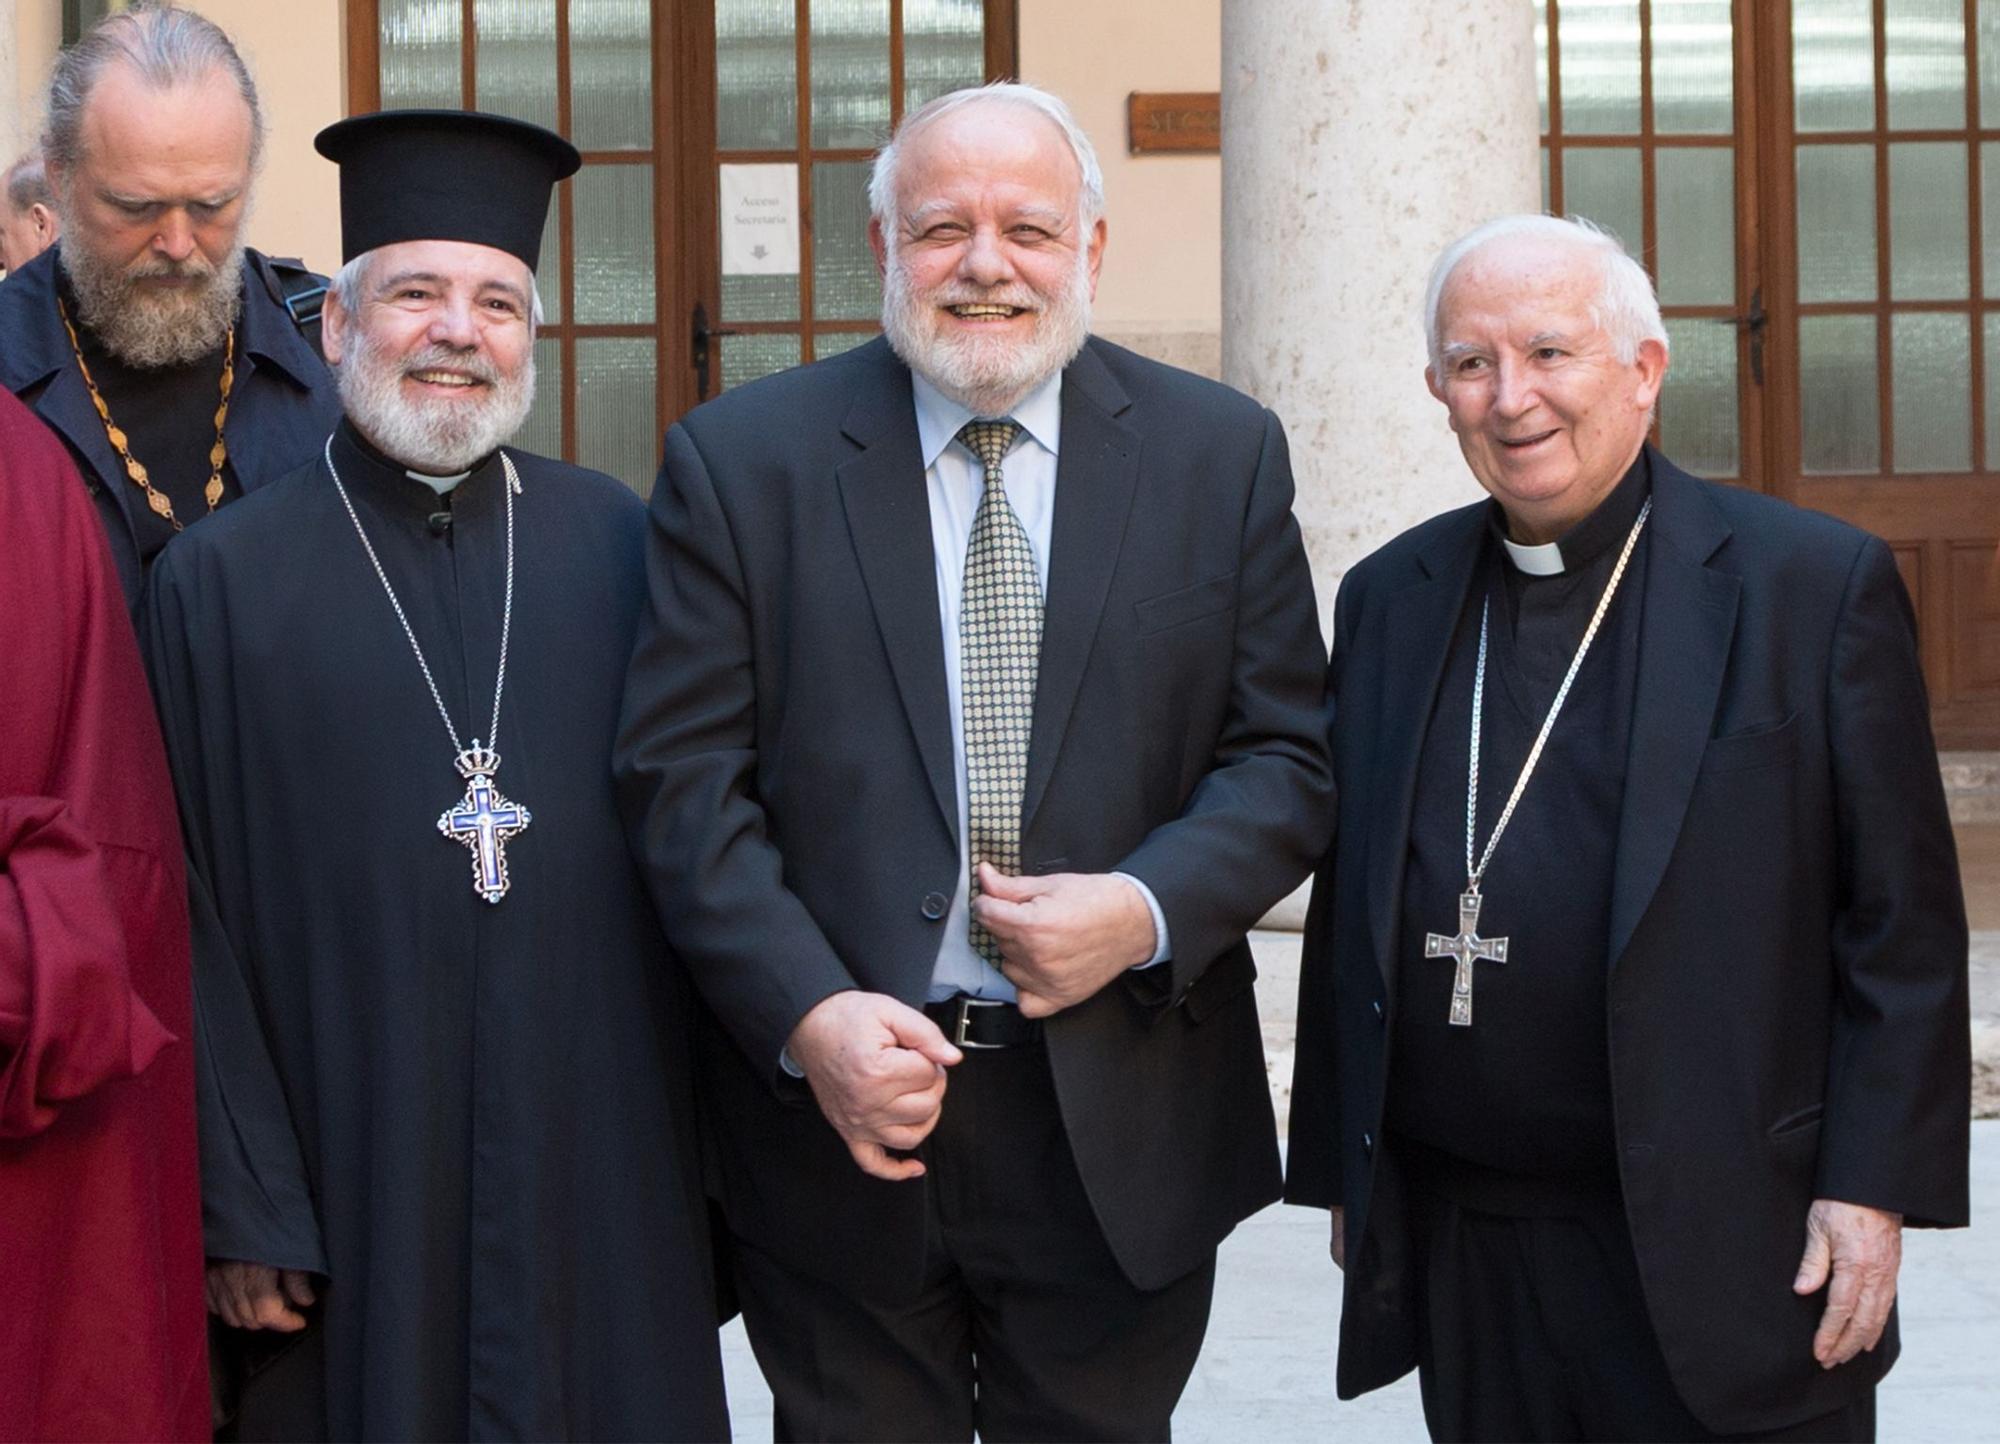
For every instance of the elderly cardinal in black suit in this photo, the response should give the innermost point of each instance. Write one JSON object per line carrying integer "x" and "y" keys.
{"x": 1633, "y": 1014}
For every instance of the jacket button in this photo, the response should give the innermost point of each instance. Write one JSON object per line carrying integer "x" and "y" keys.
{"x": 1380, "y": 1016}
{"x": 1367, "y": 1145}
{"x": 935, "y": 905}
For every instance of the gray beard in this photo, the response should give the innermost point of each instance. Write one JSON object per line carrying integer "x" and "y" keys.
{"x": 989, "y": 377}
{"x": 152, "y": 330}
{"x": 438, "y": 439}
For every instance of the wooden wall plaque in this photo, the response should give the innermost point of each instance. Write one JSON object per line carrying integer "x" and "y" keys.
{"x": 1174, "y": 122}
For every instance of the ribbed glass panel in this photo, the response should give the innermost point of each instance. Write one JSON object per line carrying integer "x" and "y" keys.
{"x": 1930, "y": 239}
{"x": 1599, "y": 40}
{"x": 1931, "y": 391}
{"x": 1833, "y": 64}
{"x": 1840, "y": 406}
{"x": 614, "y": 243}
{"x": 1694, "y": 193}
{"x": 850, "y": 72}
{"x": 1603, "y": 185}
{"x": 542, "y": 433}
{"x": 611, "y": 74}
{"x": 1694, "y": 67}
{"x": 944, "y": 48}
{"x": 1699, "y": 428}
{"x": 1836, "y": 210}
{"x": 756, "y": 74}
{"x": 514, "y": 58}
{"x": 617, "y": 409}
{"x": 418, "y": 41}
{"x": 1923, "y": 51}
{"x": 845, "y": 286}
{"x": 745, "y": 358}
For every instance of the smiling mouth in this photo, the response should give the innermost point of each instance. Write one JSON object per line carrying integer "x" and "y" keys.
{"x": 983, "y": 311}
{"x": 1522, "y": 443}
{"x": 445, "y": 378}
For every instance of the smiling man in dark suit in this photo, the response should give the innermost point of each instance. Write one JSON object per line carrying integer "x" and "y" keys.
{"x": 1633, "y": 1018}
{"x": 979, "y": 715}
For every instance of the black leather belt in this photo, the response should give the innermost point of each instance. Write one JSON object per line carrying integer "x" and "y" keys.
{"x": 983, "y": 1022}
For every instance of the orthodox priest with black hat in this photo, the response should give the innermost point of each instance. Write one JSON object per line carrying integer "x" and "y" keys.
{"x": 1632, "y": 1022}
{"x": 449, "y": 1186}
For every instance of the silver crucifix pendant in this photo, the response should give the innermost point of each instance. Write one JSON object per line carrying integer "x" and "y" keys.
{"x": 1462, "y": 950}
{"x": 484, "y": 821}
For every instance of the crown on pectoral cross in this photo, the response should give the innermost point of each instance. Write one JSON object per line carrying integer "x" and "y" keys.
{"x": 478, "y": 760}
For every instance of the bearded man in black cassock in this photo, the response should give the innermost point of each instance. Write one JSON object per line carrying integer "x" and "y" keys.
{"x": 1632, "y": 1021}
{"x": 449, "y": 1189}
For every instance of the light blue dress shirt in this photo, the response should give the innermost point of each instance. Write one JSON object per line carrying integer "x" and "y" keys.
{"x": 955, "y": 480}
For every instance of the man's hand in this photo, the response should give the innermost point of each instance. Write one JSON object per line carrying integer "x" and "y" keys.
{"x": 1064, "y": 936}
{"x": 1337, "y": 1245}
{"x": 1862, "y": 1248}
{"x": 257, "y": 1296}
{"x": 877, "y": 1068}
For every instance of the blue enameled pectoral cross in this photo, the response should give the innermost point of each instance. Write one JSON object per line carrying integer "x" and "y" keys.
{"x": 1462, "y": 949}
{"x": 484, "y": 821}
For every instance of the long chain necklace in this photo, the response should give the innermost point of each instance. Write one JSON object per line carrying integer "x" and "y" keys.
{"x": 484, "y": 820}
{"x": 158, "y": 500}
{"x": 1466, "y": 946}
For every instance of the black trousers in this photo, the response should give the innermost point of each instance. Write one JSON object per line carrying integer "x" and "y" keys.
{"x": 1536, "y": 1328}
{"x": 1025, "y": 1327}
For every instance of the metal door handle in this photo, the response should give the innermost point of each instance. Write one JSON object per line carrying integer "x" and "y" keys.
{"x": 699, "y": 336}
{"x": 1752, "y": 321}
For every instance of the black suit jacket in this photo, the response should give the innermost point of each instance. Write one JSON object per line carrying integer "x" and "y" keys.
{"x": 787, "y": 767}
{"x": 283, "y": 407}
{"x": 1787, "y": 1004}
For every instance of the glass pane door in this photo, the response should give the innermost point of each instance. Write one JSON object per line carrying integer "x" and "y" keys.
{"x": 1640, "y": 134}
{"x": 805, "y": 91}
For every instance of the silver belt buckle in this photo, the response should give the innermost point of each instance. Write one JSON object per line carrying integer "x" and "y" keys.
{"x": 965, "y": 1007}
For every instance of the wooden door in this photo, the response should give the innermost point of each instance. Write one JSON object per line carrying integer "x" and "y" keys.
{"x": 660, "y": 96}
{"x": 1804, "y": 178}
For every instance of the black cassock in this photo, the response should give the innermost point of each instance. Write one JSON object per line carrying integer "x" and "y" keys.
{"x": 472, "y": 1118}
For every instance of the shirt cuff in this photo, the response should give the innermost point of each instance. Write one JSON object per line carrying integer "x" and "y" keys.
{"x": 1163, "y": 947}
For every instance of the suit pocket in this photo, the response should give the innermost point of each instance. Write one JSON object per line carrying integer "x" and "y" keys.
{"x": 1772, "y": 745}
{"x": 1800, "y": 1124}
{"x": 1227, "y": 977}
{"x": 1187, "y": 604}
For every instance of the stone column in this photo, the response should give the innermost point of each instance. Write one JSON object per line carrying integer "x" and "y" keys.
{"x": 1358, "y": 139}
{"x": 11, "y": 119}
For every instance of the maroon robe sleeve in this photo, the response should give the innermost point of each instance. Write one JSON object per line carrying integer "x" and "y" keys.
{"x": 102, "y": 1330}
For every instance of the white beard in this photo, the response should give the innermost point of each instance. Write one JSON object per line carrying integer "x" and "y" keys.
{"x": 438, "y": 437}
{"x": 150, "y": 328}
{"x": 988, "y": 374}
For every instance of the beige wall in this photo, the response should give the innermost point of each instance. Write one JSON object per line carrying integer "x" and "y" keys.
{"x": 1162, "y": 284}
{"x": 297, "y": 50}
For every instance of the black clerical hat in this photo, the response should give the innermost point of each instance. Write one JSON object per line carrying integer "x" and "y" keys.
{"x": 445, "y": 175}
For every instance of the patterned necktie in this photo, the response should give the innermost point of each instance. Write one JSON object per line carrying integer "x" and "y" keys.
{"x": 1000, "y": 640}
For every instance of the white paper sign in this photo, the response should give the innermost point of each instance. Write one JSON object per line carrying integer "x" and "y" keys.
{"x": 760, "y": 220}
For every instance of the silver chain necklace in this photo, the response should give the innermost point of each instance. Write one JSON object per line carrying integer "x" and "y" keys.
{"x": 1467, "y": 945}
{"x": 484, "y": 820}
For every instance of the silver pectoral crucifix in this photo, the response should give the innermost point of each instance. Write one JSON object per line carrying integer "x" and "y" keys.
{"x": 1462, "y": 950}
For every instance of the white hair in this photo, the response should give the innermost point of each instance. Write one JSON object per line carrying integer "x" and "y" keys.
{"x": 351, "y": 280}
{"x": 882, "y": 179}
{"x": 1626, "y": 309}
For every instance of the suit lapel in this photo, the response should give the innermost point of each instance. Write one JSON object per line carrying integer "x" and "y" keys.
{"x": 1097, "y": 474}
{"x": 882, "y": 490}
{"x": 1417, "y": 633}
{"x": 1684, "y": 640}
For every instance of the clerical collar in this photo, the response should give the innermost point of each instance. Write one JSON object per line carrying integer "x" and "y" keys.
{"x": 365, "y": 466}
{"x": 442, "y": 485}
{"x": 1600, "y": 532}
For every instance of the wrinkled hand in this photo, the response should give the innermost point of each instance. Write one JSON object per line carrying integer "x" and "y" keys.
{"x": 877, "y": 1068}
{"x": 1862, "y": 1248}
{"x": 257, "y": 1296}
{"x": 1064, "y": 936}
{"x": 1337, "y": 1245}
